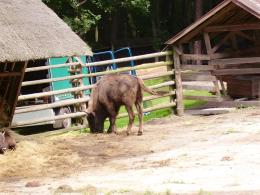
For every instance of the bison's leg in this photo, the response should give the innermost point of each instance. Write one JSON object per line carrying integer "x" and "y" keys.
{"x": 131, "y": 118}
{"x": 139, "y": 109}
{"x": 112, "y": 126}
{"x": 112, "y": 117}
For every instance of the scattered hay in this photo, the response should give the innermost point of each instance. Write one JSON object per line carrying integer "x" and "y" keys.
{"x": 32, "y": 159}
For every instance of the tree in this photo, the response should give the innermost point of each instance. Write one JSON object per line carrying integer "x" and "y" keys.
{"x": 128, "y": 22}
{"x": 73, "y": 13}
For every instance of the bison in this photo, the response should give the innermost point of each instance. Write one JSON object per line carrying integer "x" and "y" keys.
{"x": 6, "y": 141}
{"x": 109, "y": 94}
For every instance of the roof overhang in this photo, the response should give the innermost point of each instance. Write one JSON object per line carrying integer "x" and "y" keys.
{"x": 223, "y": 9}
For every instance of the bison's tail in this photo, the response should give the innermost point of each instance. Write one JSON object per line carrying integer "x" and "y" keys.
{"x": 146, "y": 89}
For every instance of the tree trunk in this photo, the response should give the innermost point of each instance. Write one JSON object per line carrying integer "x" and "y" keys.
{"x": 155, "y": 18}
{"x": 114, "y": 29}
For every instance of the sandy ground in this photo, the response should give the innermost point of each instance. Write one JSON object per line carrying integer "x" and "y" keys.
{"x": 189, "y": 155}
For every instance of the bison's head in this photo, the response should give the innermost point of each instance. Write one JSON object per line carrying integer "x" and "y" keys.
{"x": 96, "y": 122}
{"x": 2, "y": 143}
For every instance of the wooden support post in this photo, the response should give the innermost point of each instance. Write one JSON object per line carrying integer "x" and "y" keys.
{"x": 178, "y": 83}
{"x": 82, "y": 106}
{"x": 210, "y": 52}
{"x": 171, "y": 87}
{"x": 20, "y": 80}
{"x": 73, "y": 70}
{"x": 78, "y": 82}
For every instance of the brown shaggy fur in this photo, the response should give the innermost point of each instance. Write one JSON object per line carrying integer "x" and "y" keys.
{"x": 109, "y": 94}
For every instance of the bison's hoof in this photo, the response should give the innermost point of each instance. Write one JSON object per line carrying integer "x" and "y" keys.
{"x": 127, "y": 133}
{"x": 140, "y": 133}
{"x": 109, "y": 131}
{"x": 115, "y": 132}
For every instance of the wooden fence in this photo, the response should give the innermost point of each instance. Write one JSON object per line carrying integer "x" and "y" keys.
{"x": 196, "y": 74}
{"x": 170, "y": 82}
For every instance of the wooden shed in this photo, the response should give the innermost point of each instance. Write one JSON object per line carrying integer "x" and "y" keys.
{"x": 229, "y": 49}
{"x": 29, "y": 31}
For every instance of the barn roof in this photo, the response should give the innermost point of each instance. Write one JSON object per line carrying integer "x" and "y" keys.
{"x": 227, "y": 12}
{"x": 30, "y": 30}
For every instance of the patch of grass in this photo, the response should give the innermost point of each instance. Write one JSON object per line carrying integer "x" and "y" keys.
{"x": 231, "y": 131}
{"x": 155, "y": 81}
{"x": 120, "y": 191}
{"x": 197, "y": 93}
{"x": 148, "y": 192}
{"x": 202, "y": 192}
{"x": 188, "y": 104}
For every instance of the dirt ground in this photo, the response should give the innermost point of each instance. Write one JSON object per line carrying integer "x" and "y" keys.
{"x": 177, "y": 155}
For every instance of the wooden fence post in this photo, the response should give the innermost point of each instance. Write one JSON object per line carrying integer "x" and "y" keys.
{"x": 169, "y": 58}
{"x": 78, "y": 82}
{"x": 18, "y": 79}
{"x": 178, "y": 83}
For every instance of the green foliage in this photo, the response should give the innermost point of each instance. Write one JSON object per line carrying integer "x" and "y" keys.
{"x": 77, "y": 17}
{"x": 83, "y": 22}
{"x": 127, "y": 22}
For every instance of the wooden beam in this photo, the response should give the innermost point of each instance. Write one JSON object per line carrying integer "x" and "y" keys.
{"x": 240, "y": 71}
{"x": 206, "y": 98}
{"x": 232, "y": 61}
{"x": 165, "y": 84}
{"x": 207, "y": 43}
{"x": 152, "y": 97}
{"x": 46, "y": 67}
{"x": 191, "y": 86}
{"x": 244, "y": 35}
{"x": 79, "y": 76}
{"x": 210, "y": 53}
{"x": 237, "y": 27}
{"x": 178, "y": 82}
{"x": 18, "y": 90}
{"x": 62, "y": 103}
{"x": 224, "y": 40}
{"x": 196, "y": 67}
{"x": 178, "y": 50}
{"x": 50, "y": 93}
{"x": 236, "y": 53}
{"x": 197, "y": 77}
{"x": 101, "y": 63}
{"x": 10, "y": 74}
{"x": 46, "y": 119}
{"x": 157, "y": 75}
{"x": 195, "y": 57}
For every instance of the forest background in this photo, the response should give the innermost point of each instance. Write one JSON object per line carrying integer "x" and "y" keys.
{"x": 146, "y": 24}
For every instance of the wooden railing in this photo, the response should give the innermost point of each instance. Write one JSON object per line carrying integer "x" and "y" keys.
{"x": 168, "y": 84}
{"x": 198, "y": 77}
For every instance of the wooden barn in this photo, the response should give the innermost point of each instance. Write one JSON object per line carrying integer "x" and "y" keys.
{"x": 223, "y": 48}
{"x": 29, "y": 31}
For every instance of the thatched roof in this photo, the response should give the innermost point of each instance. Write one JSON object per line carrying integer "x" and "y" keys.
{"x": 227, "y": 12}
{"x": 30, "y": 30}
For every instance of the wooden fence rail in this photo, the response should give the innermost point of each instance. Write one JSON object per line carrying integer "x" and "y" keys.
{"x": 166, "y": 77}
{"x": 84, "y": 100}
{"x": 79, "y": 76}
{"x": 101, "y": 63}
